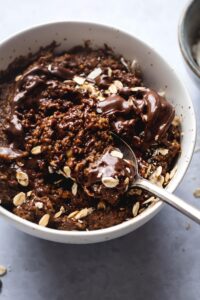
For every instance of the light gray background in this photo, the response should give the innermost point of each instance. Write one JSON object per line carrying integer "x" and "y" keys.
{"x": 159, "y": 261}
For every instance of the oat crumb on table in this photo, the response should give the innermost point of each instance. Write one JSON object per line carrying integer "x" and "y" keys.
{"x": 196, "y": 193}
{"x": 3, "y": 270}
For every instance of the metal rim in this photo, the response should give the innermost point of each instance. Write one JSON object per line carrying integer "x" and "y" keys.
{"x": 187, "y": 57}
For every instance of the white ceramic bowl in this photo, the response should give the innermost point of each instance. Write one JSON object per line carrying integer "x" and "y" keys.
{"x": 157, "y": 74}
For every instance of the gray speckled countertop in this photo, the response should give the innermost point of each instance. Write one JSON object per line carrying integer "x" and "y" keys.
{"x": 158, "y": 261}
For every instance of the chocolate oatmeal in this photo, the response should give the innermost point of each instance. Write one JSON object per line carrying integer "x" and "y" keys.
{"x": 59, "y": 165}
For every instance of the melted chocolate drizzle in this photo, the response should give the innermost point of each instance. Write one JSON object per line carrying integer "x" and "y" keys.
{"x": 158, "y": 116}
{"x": 109, "y": 166}
{"x": 115, "y": 105}
{"x": 142, "y": 120}
{"x": 25, "y": 97}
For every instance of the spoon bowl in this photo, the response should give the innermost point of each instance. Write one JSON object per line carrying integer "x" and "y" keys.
{"x": 182, "y": 206}
{"x": 128, "y": 153}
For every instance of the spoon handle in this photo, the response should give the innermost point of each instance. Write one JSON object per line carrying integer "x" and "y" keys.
{"x": 182, "y": 206}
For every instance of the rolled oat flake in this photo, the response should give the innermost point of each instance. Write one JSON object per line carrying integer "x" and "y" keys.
{"x": 44, "y": 220}
{"x": 3, "y": 270}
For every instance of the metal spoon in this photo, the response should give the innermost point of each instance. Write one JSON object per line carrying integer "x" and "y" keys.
{"x": 182, "y": 206}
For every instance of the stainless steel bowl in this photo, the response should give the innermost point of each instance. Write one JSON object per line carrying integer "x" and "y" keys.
{"x": 188, "y": 31}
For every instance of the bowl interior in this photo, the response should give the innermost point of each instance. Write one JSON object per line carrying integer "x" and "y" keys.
{"x": 189, "y": 32}
{"x": 157, "y": 74}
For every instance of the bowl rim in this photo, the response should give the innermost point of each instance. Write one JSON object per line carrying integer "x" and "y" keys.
{"x": 181, "y": 39}
{"x": 146, "y": 213}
